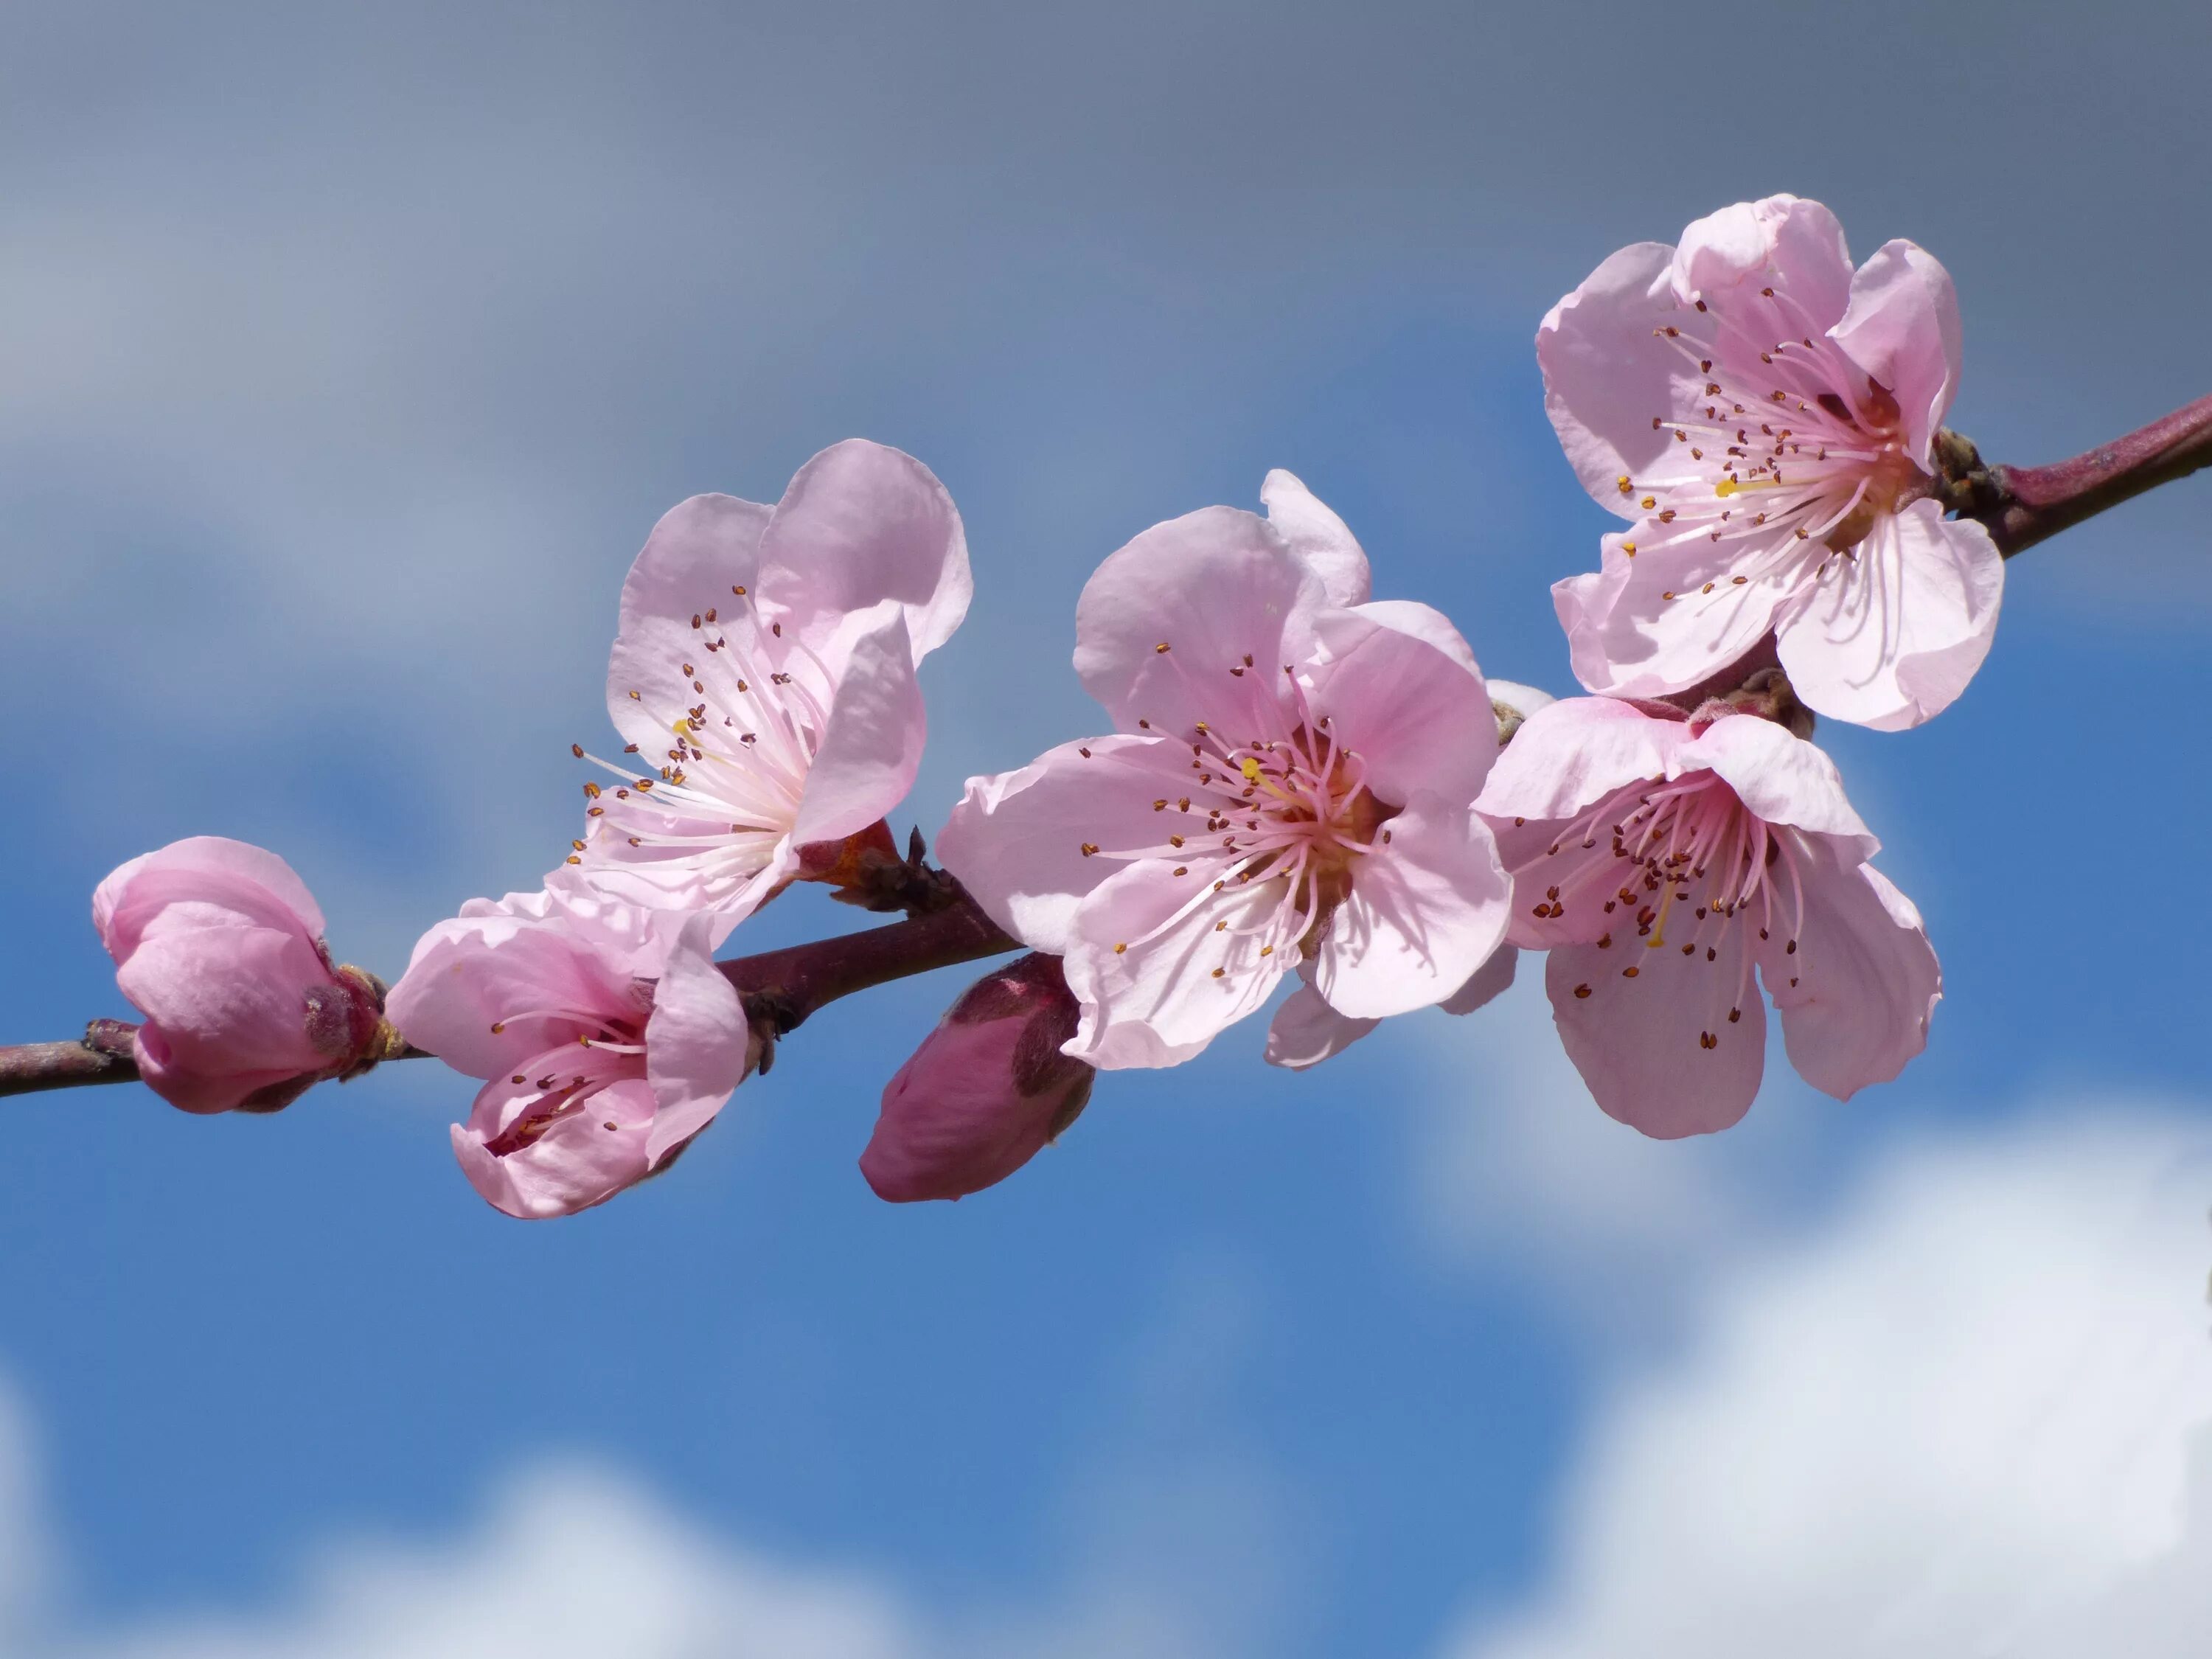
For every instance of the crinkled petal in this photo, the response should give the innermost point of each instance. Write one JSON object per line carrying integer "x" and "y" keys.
{"x": 1426, "y": 909}
{"x": 1606, "y": 374}
{"x": 1015, "y": 840}
{"x": 1780, "y": 776}
{"x": 862, "y": 523}
{"x": 1902, "y": 329}
{"x": 872, "y": 741}
{"x": 1672, "y": 614}
{"x": 1858, "y": 993}
{"x": 1893, "y": 633}
{"x": 1402, "y": 692}
{"x": 584, "y": 1158}
{"x": 471, "y": 973}
{"x": 1215, "y": 587}
{"x": 210, "y": 871}
{"x": 1788, "y": 244}
{"x": 1158, "y": 1002}
{"x": 698, "y": 1044}
{"x": 1573, "y": 754}
{"x": 700, "y": 549}
{"x": 1316, "y": 535}
{"x": 1638, "y": 1039}
{"x": 1306, "y": 1030}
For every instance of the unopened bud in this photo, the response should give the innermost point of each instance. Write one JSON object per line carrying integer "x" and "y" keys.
{"x": 1513, "y": 702}
{"x": 985, "y": 1092}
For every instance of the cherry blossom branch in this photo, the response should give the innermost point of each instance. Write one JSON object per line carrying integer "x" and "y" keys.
{"x": 2023, "y": 505}
{"x": 780, "y": 988}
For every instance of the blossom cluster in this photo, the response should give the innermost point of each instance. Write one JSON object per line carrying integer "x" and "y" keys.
{"x": 1299, "y": 795}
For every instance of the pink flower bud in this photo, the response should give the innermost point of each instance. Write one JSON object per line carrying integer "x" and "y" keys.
{"x": 221, "y": 946}
{"x": 986, "y": 1090}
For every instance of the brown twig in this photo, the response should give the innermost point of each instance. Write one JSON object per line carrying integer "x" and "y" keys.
{"x": 780, "y": 988}
{"x": 2023, "y": 505}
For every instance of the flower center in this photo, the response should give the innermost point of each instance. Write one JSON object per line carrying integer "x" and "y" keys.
{"x": 561, "y": 1081}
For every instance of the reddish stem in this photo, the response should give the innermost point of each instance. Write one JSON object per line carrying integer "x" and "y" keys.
{"x": 2024, "y": 505}
{"x": 780, "y": 988}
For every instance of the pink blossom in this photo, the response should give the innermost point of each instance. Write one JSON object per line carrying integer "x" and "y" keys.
{"x": 221, "y": 946}
{"x": 1290, "y": 782}
{"x": 1766, "y": 417}
{"x": 1306, "y": 1030}
{"x": 1660, "y": 859}
{"x": 986, "y": 1092}
{"x": 599, "y": 1073}
{"x": 764, "y": 680}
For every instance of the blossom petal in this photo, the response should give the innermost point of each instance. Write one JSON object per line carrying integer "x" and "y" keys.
{"x": 1783, "y": 242}
{"x": 861, "y": 523}
{"x": 1572, "y": 754}
{"x": 1893, "y": 633}
{"x": 1858, "y": 993}
{"x": 1780, "y": 776}
{"x": 1670, "y": 616}
{"x": 698, "y": 1044}
{"x": 228, "y": 999}
{"x": 872, "y": 741}
{"x": 1606, "y": 377}
{"x": 473, "y": 972}
{"x": 584, "y": 1158}
{"x": 1306, "y": 1030}
{"x": 1215, "y": 587}
{"x": 1427, "y": 907}
{"x": 1158, "y": 1002}
{"x": 1316, "y": 535}
{"x": 205, "y": 870}
{"x": 701, "y": 548}
{"x": 1902, "y": 329}
{"x": 1015, "y": 840}
{"x": 1486, "y": 984}
{"x": 1638, "y": 1039}
{"x": 1402, "y": 692}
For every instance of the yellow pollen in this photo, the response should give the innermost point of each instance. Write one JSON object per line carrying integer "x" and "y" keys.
{"x": 1251, "y": 769}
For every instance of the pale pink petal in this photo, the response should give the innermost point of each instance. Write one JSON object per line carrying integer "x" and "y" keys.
{"x": 1666, "y": 618}
{"x": 229, "y": 999}
{"x": 1858, "y": 993}
{"x": 871, "y": 744}
{"x": 1606, "y": 377}
{"x": 207, "y": 870}
{"x": 470, "y": 973}
{"x": 1572, "y": 755}
{"x": 585, "y": 1159}
{"x": 1216, "y": 587}
{"x": 699, "y": 1045}
{"x": 1892, "y": 635}
{"x": 1781, "y": 777}
{"x": 1306, "y": 1030}
{"x": 700, "y": 549}
{"x": 1639, "y": 1040}
{"x": 861, "y": 523}
{"x": 1158, "y": 1002}
{"x": 1413, "y": 709}
{"x": 1902, "y": 329}
{"x": 1316, "y": 535}
{"x": 191, "y": 1089}
{"x": 1428, "y": 906}
{"x": 1486, "y": 983}
{"x": 1016, "y": 841}
{"x": 1784, "y": 242}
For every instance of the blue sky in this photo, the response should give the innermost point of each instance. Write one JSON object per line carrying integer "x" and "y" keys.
{"x": 345, "y": 359}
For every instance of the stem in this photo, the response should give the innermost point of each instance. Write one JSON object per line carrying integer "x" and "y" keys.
{"x": 2023, "y": 505}
{"x": 781, "y": 986}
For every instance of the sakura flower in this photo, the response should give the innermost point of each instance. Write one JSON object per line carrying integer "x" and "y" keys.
{"x": 1290, "y": 782}
{"x": 1659, "y": 860}
{"x": 987, "y": 1090}
{"x": 598, "y": 1076}
{"x": 221, "y": 946}
{"x": 1766, "y": 418}
{"x": 764, "y": 680}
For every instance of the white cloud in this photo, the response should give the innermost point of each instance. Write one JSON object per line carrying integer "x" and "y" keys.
{"x": 1971, "y": 1419}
